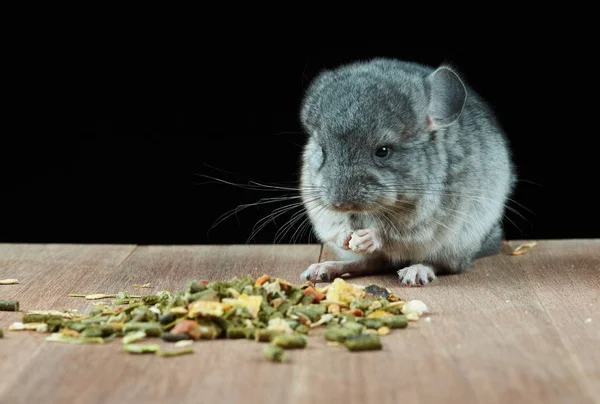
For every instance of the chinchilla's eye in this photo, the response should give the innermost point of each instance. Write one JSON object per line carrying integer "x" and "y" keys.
{"x": 383, "y": 151}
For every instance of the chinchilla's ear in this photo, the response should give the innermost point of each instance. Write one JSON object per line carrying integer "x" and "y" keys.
{"x": 447, "y": 97}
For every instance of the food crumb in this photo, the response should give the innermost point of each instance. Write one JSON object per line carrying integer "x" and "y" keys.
{"x": 428, "y": 319}
{"x": 523, "y": 248}
{"x": 414, "y": 306}
{"x": 184, "y": 343}
{"x": 588, "y": 320}
{"x": 383, "y": 330}
{"x": 412, "y": 316}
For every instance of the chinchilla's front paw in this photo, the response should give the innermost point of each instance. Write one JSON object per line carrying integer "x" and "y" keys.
{"x": 366, "y": 241}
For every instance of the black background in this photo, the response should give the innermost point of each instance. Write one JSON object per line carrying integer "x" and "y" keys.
{"x": 106, "y": 146}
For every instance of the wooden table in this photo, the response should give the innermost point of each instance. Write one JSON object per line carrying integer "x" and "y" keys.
{"x": 515, "y": 329}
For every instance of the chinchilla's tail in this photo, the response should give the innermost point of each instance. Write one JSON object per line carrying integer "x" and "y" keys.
{"x": 492, "y": 243}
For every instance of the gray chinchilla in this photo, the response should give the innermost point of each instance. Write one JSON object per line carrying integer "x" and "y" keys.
{"x": 405, "y": 167}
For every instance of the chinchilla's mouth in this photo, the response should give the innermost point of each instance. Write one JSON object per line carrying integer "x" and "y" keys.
{"x": 353, "y": 208}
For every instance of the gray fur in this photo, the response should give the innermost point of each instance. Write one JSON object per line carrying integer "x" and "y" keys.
{"x": 438, "y": 198}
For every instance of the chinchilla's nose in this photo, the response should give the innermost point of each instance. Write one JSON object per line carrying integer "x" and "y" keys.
{"x": 344, "y": 206}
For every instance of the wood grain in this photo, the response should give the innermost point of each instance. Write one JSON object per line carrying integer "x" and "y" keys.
{"x": 492, "y": 325}
{"x": 503, "y": 332}
{"x": 46, "y": 274}
{"x": 567, "y": 284}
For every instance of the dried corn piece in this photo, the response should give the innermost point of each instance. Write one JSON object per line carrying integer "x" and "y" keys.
{"x": 205, "y": 308}
{"x": 341, "y": 291}
{"x": 252, "y": 303}
{"x": 379, "y": 313}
